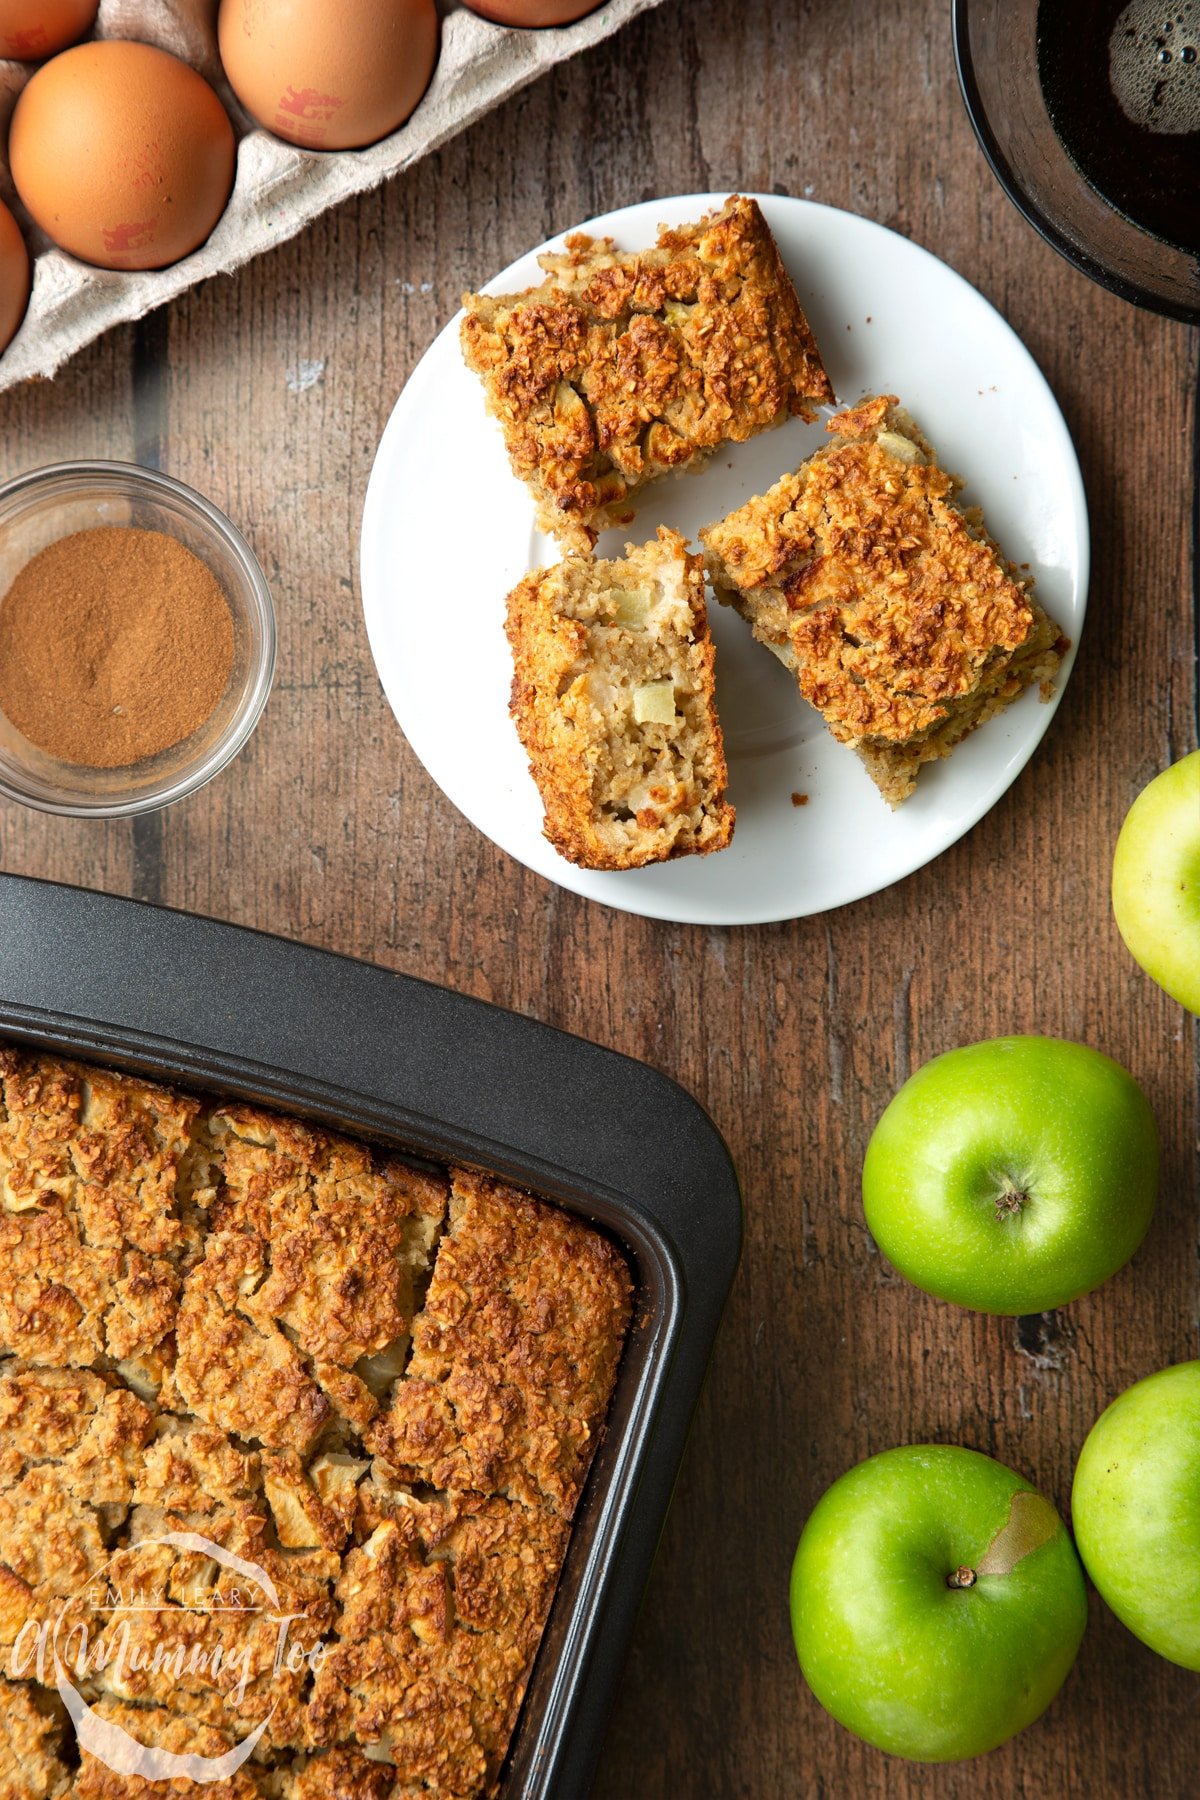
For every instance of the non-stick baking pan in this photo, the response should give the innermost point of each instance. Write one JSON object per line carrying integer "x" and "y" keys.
{"x": 399, "y": 1061}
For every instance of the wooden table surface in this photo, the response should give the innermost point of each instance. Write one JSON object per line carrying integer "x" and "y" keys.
{"x": 269, "y": 391}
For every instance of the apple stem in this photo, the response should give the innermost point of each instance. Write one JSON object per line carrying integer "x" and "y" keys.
{"x": 961, "y": 1578}
{"x": 1010, "y": 1200}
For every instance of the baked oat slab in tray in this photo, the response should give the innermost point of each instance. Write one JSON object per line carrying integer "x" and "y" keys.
{"x": 898, "y": 615}
{"x": 376, "y": 1388}
{"x": 627, "y": 365}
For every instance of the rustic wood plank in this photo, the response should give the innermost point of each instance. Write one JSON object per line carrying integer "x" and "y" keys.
{"x": 269, "y": 391}
{"x": 89, "y": 413}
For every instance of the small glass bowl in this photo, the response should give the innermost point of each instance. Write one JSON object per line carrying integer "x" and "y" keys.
{"x": 47, "y": 504}
{"x": 995, "y": 44}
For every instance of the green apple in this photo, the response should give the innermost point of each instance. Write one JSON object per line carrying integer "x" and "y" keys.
{"x": 1156, "y": 880}
{"x": 937, "y": 1602}
{"x": 1013, "y": 1175}
{"x": 1136, "y": 1510}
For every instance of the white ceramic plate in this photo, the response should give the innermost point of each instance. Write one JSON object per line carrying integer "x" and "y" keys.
{"x": 448, "y": 530}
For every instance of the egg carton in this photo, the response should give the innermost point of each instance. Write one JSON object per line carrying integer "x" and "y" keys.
{"x": 277, "y": 188}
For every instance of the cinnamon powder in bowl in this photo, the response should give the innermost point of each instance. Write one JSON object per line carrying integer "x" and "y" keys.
{"x": 115, "y": 644}
{"x": 137, "y": 639}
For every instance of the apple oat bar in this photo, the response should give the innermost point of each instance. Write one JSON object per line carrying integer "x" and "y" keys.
{"x": 613, "y": 700}
{"x": 891, "y": 605}
{"x": 527, "y": 1428}
{"x": 627, "y": 365}
{"x": 224, "y": 1330}
{"x": 31, "y": 1737}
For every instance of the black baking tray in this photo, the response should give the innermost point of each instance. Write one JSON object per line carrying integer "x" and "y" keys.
{"x": 400, "y": 1061}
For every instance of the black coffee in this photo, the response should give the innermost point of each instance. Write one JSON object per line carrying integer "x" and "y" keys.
{"x": 1122, "y": 87}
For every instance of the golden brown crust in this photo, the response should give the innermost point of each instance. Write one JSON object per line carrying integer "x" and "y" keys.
{"x": 618, "y": 792}
{"x": 298, "y": 1263}
{"x": 624, "y": 366}
{"x": 167, "y": 1731}
{"x": 50, "y": 1542}
{"x": 902, "y": 623}
{"x": 31, "y": 1735}
{"x": 236, "y": 1367}
{"x": 117, "y": 1152}
{"x": 98, "y": 1215}
{"x": 347, "y": 1230}
{"x": 513, "y": 1354}
{"x": 85, "y": 1423}
{"x": 194, "y": 1471}
{"x": 338, "y": 1775}
{"x": 166, "y": 1657}
{"x": 443, "y": 1605}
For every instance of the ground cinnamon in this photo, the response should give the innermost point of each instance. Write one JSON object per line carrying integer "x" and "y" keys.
{"x": 115, "y": 644}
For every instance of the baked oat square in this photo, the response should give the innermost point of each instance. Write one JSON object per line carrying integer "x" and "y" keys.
{"x": 514, "y": 1353}
{"x": 613, "y": 700}
{"x": 627, "y": 365}
{"x": 31, "y": 1741}
{"x": 898, "y": 615}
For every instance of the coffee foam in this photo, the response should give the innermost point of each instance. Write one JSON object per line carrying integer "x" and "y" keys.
{"x": 1154, "y": 65}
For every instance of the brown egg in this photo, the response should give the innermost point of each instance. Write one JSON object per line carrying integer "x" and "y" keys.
{"x": 324, "y": 75}
{"x": 533, "y": 13}
{"x": 14, "y": 276}
{"x": 32, "y": 29}
{"x": 122, "y": 154}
